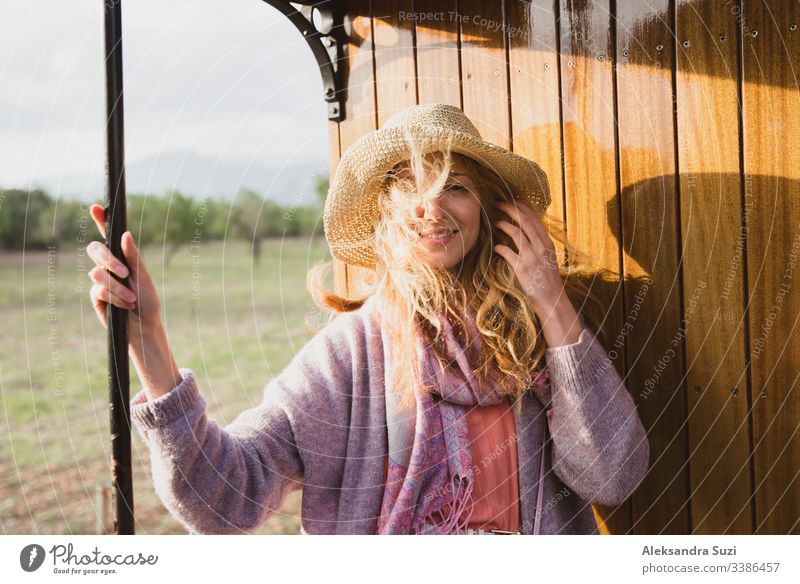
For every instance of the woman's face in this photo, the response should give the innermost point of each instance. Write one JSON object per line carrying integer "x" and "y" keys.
{"x": 450, "y": 222}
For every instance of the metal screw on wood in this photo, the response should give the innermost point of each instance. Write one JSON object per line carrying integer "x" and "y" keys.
{"x": 686, "y": 44}
{"x": 601, "y": 57}
{"x": 735, "y": 392}
{"x": 754, "y": 33}
{"x": 625, "y": 53}
{"x": 763, "y": 393}
{"x": 722, "y": 38}
{"x": 793, "y": 27}
{"x": 659, "y": 47}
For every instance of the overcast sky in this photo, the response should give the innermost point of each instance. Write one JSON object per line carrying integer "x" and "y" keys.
{"x": 228, "y": 79}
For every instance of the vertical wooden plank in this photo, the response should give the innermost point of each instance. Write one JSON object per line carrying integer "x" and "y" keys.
{"x": 359, "y": 107}
{"x": 438, "y": 74}
{"x": 535, "y": 108}
{"x": 484, "y": 69}
{"x": 710, "y": 188}
{"x": 360, "y": 77}
{"x": 771, "y": 58}
{"x": 395, "y": 76}
{"x": 651, "y": 269}
{"x": 589, "y": 134}
{"x": 592, "y": 202}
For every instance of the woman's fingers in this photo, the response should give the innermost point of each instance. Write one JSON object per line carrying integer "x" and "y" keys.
{"x": 99, "y": 305}
{"x": 106, "y": 289}
{"x": 102, "y": 293}
{"x": 101, "y": 296}
{"x": 98, "y": 213}
{"x": 522, "y": 214}
{"x": 515, "y": 233}
{"x": 103, "y": 257}
{"x": 101, "y": 276}
{"x": 509, "y": 254}
{"x": 133, "y": 258}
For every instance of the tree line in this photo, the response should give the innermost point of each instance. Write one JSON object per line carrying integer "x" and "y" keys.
{"x": 34, "y": 220}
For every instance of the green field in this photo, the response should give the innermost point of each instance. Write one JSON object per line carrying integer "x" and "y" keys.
{"x": 235, "y": 324}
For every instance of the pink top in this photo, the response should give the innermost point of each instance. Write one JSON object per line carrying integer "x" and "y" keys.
{"x": 494, "y": 465}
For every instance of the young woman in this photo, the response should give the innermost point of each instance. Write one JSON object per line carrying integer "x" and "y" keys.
{"x": 463, "y": 393}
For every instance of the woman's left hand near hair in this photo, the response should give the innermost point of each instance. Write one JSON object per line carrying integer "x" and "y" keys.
{"x": 535, "y": 263}
{"x": 536, "y": 266}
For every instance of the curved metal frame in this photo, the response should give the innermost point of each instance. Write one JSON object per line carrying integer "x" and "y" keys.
{"x": 325, "y": 39}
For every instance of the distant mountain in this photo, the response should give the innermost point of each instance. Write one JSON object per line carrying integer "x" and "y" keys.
{"x": 199, "y": 176}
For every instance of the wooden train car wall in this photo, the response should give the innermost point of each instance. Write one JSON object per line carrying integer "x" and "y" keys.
{"x": 669, "y": 133}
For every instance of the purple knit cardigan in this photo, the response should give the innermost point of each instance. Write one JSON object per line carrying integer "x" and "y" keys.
{"x": 321, "y": 427}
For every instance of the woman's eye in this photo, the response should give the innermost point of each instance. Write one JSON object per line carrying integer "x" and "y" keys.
{"x": 455, "y": 188}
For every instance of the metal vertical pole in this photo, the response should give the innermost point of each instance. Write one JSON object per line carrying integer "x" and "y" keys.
{"x": 118, "y": 369}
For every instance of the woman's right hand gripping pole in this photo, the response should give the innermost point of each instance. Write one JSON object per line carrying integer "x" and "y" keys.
{"x": 147, "y": 342}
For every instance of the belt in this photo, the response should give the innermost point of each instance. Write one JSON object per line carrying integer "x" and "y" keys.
{"x": 471, "y": 531}
{"x": 429, "y": 529}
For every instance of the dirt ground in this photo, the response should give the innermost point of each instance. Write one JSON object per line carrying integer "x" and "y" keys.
{"x": 63, "y": 500}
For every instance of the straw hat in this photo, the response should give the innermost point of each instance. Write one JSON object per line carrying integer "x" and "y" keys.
{"x": 351, "y": 210}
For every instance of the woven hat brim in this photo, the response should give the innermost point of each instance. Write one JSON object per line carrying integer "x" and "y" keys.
{"x": 351, "y": 211}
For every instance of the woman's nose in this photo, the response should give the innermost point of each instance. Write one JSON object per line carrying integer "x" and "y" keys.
{"x": 432, "y": 209}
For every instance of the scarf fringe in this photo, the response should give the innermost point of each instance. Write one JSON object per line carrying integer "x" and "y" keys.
{"x": 453, "y": 522}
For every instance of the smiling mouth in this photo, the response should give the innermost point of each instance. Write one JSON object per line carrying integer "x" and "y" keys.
{"x": 435, "y": 231}
{"x": 439, "y": 235}
{"x": 439, "y": 238}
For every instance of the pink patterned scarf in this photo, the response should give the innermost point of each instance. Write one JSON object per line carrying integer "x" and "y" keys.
{"x": 430, "y": 461}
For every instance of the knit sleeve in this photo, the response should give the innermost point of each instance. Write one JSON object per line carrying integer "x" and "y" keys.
{"x": 218, "y": 480}
{"x": 600, "y": 447}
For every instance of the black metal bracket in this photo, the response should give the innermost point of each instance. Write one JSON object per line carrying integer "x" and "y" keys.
{"x": 321, "y": 25}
